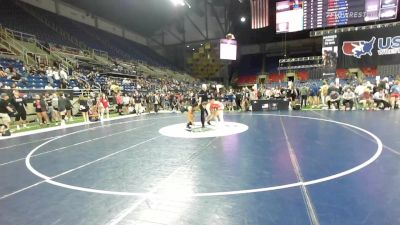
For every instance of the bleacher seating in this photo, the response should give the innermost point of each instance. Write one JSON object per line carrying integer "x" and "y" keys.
{"x": 15, "y": 18}
{"x": 30, "y": 81}
{"x": 17, "y": 64}
{"x": 94, "y": 38}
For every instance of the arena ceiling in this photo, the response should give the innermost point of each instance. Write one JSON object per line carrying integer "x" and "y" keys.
{"x": 142, "y": 16}
{"x": 166, "y": 24}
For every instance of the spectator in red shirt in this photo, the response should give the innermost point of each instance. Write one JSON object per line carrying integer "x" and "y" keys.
{"x": 366, "y": 99}
{"x": 120, "y": 102}
{"x": 105, "y": 109}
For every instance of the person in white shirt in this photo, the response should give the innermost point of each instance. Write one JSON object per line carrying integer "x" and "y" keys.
{"x": 369, "y": 85}
{"x": 360, "y": 89}
{"x": 125, "y": 81}
{"x": 126, "y": 99}
{"x": 56, "y": 74}
{"x": 268, "y": 93}
{"x": 63, "y": 74}
{"x": 48, "y": 87}
{"x": 54, "y": 104}
{"x": 348, "y": 98}
{"x": 49, "y": 74}
{"x": 379, "y": 98}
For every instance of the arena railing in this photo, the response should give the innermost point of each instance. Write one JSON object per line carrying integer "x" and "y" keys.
{"x": 18, "y": 35}
{"x": 100, "y": 53}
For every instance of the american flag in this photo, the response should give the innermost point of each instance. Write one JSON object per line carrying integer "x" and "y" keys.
{"x": 259, "y": 14}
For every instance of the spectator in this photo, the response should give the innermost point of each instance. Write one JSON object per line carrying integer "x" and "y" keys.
{"x": 49, "y": 74}
{"x": 16, "y": 76}
{"x": 105, "y": 109}
{"x": 314, "y": 95}
{"x": 63, "y": 75}
{"x": 149, "y": 102}
{"x": 48, "y": 87}
{"x": 366, "y": 99}
{"x": 238, "y": 99}
{"x": 395, "y": 93}
{"x": 156, "y": 102}
{"x": 348, "y": 98}
{"x": 10, "y": 71}
{"x": 64, "y": 84}
{"x": 115, "y": 88}
{"x": 84, "y": 108}
{"x": 138, "y": 103}
{"x": 120, "y": 102}
{"x": 41, "y": 110}
{"x": 68, "y": 108}
{"x": 20, "y": 105}
{"x": 126, "y": 100}
{"x": 174, "y": 104}
{"x": 380, "y": 100}
{"x": 62, "y": 104}
{"x": 14, "y": 86}
{"x": 360, "y": 89}
{"x": 304, "y": 91}
{"x": 56, "y": 74}
{"x": 333, "y": 97}
{"x": 55, "y": 114}
{"x": 324, "y": 93}
{"x": 2, "y": 73}
{"x": 5, "y": 110}
{"x": 97, "y": 109}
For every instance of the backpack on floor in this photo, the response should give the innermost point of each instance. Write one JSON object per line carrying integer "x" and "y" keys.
{"x": 6, "y": 133}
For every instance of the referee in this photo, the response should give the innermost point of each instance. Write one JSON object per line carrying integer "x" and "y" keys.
{"x": 203, "y": 101}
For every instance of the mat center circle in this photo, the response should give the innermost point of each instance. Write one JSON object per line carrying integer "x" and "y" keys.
{"x": 197, "y": 131}
{"x": 354, "y": 169}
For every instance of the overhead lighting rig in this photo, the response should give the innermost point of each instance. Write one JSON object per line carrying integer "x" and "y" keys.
{"x": 300, "y": 63}
{"x": 350, "y": 29}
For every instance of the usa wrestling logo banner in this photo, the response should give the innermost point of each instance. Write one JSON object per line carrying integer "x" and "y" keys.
{"x": 365, "y": 48}
{"x": 358, "y": 48}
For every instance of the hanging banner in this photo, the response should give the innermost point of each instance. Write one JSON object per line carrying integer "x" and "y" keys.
{"x": 329, "y": 55}
{"x": 366, "y": 48}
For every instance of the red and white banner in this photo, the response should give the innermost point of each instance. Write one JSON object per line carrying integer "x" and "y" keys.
{"x": 259, "y": 14}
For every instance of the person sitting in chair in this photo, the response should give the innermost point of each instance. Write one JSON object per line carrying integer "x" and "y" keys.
{"x": 380, "y": 100}
{"x": 366, "y": 99}
{"x": 334, "y": 98}
{"x": 348, "y": 98}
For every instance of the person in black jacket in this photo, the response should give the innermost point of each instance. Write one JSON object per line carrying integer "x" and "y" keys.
{"x": 19, "y": 104}
{"x": 5, "y": 110}
{"x": 62, "y": 108}
{"x": 156, "y": 101}
{"x": 84, "y": 107}
{"x": 69, "y": 107}
{"x": 203, "y": 96}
